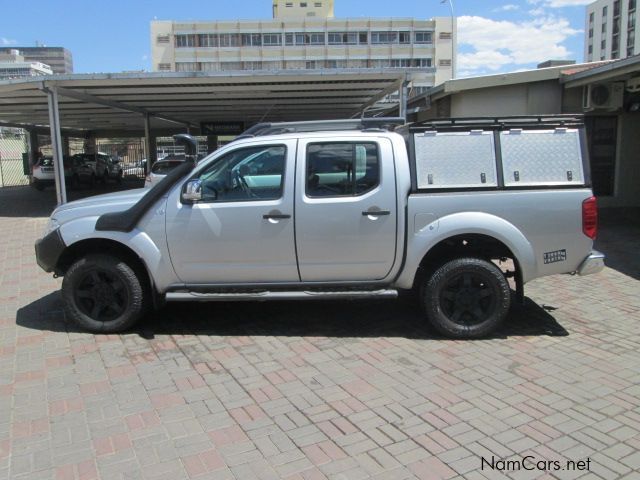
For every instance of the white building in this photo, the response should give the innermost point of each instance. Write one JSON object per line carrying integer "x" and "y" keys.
{"x": 13, "y": 65}
{"x": 611, "y": 30}
{"x": 304, "y": 35}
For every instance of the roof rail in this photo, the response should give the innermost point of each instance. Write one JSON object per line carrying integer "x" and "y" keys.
{"x": 261, "y": 129}
{"x": 514, "y": 121}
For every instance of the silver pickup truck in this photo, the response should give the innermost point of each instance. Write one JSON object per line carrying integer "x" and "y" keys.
{"x": 339, "y": 209}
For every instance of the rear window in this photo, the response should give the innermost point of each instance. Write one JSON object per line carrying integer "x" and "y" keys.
{"x": 162, "y": 168}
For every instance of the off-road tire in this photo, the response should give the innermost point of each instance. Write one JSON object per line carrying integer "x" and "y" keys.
{"x": 129, "y": 297}
{"x": 466, "y": 297}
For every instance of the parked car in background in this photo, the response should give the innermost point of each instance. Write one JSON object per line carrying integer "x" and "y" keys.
{"x": 161, "y": 168}
{"x": 76, "y": 171}
{"x": 104, "y": 167}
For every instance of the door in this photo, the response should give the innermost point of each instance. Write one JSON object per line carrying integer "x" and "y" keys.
{"x": 346, "y": 218}
{"x": 242, "y": 229}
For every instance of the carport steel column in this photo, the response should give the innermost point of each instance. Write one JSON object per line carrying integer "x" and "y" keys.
{"x": 56, "y": 144}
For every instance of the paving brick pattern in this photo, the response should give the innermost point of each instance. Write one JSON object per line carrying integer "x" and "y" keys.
{"x": 315, "y": 391}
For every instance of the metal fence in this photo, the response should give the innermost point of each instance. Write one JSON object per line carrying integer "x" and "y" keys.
{"x": 130, "y": 152}
{"x": 14, "y": 163}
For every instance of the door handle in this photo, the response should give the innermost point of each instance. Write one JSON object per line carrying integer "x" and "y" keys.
{"x": 275, "y": 216}
{"x": 376, "y": 213}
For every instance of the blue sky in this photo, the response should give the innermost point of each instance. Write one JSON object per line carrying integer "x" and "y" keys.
{"x": 113, "y": 36}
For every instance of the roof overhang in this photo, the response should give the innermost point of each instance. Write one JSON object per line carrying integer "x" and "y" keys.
{"x": 119, "y": 102}
{"x": 618, "y": 70}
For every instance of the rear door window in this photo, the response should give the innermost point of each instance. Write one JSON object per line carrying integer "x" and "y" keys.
{"x": 337, "y": 169}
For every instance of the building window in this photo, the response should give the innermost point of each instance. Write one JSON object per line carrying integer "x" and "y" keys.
{"x": 343, "y": 38}
{"x": 318, "y": 4}
{"x": 310, "y": 38}
{"x": 631, "y": 21}
{"x": 336, "y": 64}
{"x": 590, "y": 49}
{"x": 311, "y": 65}
{"x": 404, "y": 37}
{"x": 591, "y": 17}
{"x": 183, "y": 41}
{"x": 604, "y": 28}
{"x": 445, "y": 62}
{"x": 229, "y": 40}
{"x": 226, "y": 66}
{"x": 164, "y": 67}
{"x": 384, "y": 37}
{"x": 208, "y": 40}
{"x": 163, "y": 38}
{"x": 186, "y": 67}
{"x": 445, "y": 36}
{"x": 591, "y": 33}
{"x": 251, "y": 40}
{"x": 252, "y": 65}
{"x": 289, "y": 4}
{"x": 423, "y": 37}
{"x": 209, "y": 66}
{"x": 616, "y": 8}
{"x": 288, "y": 38}
{"x": 604, "y": 12}
{"x": 421, "y": 62}
{"x": 632, "y": 5}
{"x": 363, "y": 38}
{"x": 303, "y": 4}
{"x": 603, "y": 45}
{"x": 271, "y": 39}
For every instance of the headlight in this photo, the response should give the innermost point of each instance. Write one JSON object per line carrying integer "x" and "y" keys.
{"x": 52, "y": 225}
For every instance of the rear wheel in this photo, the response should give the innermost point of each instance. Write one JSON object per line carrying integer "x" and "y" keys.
{"x": 103, "y": 294}
{"x": 466, "y": 298}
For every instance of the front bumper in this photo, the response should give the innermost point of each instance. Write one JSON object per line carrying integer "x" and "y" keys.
{"x": 594, "y": 263}
{"x": 49, "y": 249}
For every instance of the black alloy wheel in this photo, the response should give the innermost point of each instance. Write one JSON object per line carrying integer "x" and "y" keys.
{"x": 466, "y": 297}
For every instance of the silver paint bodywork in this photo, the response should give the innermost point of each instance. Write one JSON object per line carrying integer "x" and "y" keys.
{"x": 329, "y": 240}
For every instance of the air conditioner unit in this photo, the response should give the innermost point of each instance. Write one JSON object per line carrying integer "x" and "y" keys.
{"x": 603, "y": 96}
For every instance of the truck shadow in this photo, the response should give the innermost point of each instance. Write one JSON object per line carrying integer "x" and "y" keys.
{"x": 381, "y": 318}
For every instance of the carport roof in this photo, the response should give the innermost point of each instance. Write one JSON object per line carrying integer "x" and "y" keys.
{"x": 118, "y": 102}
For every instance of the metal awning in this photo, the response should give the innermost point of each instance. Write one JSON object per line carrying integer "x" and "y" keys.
{"x": 132, "y": 104}
{"x": 105, "y": 103}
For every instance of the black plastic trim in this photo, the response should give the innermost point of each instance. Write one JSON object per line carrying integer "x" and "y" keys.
{"x": 126, "y": 220}
{"x": 48, "y": 250}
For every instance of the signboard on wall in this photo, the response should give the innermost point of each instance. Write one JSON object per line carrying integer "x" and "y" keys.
{"x": 221, "y": 128}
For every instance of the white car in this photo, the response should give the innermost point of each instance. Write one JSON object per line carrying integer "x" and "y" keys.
{"x": 161, "y": 168}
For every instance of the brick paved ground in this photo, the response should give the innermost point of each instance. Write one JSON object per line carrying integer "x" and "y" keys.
{"x": 312, "y": 391}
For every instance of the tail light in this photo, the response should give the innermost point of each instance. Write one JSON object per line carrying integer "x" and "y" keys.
{"x": 590, "y": 217}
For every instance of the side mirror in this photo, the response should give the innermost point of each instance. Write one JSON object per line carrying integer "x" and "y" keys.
{"x": 192, "y": 191}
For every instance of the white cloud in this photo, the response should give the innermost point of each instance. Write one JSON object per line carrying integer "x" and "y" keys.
{"x": 509, "y": 7}
{"x": 495, "y": 45}
{"x": 7, "y": 41}
{"x": 562, "y": 3}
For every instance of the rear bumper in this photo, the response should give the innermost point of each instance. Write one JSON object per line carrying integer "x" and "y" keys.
{"x": 48, "y": 250}
{"x": 594, "y": 263}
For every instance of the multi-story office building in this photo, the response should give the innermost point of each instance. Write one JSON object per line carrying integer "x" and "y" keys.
{"x": 304, "y": 35}
{"x": 58, "y": 58}
{"x": 14, "y": 65}
{"x": 611, "y": 31}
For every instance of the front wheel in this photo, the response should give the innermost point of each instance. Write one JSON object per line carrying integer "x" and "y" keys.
{"x": 103, "y": 294}
{"x": 466, "y": 298}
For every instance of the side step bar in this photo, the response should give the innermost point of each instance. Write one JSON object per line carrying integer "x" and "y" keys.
{"x": 281, "y": 295}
